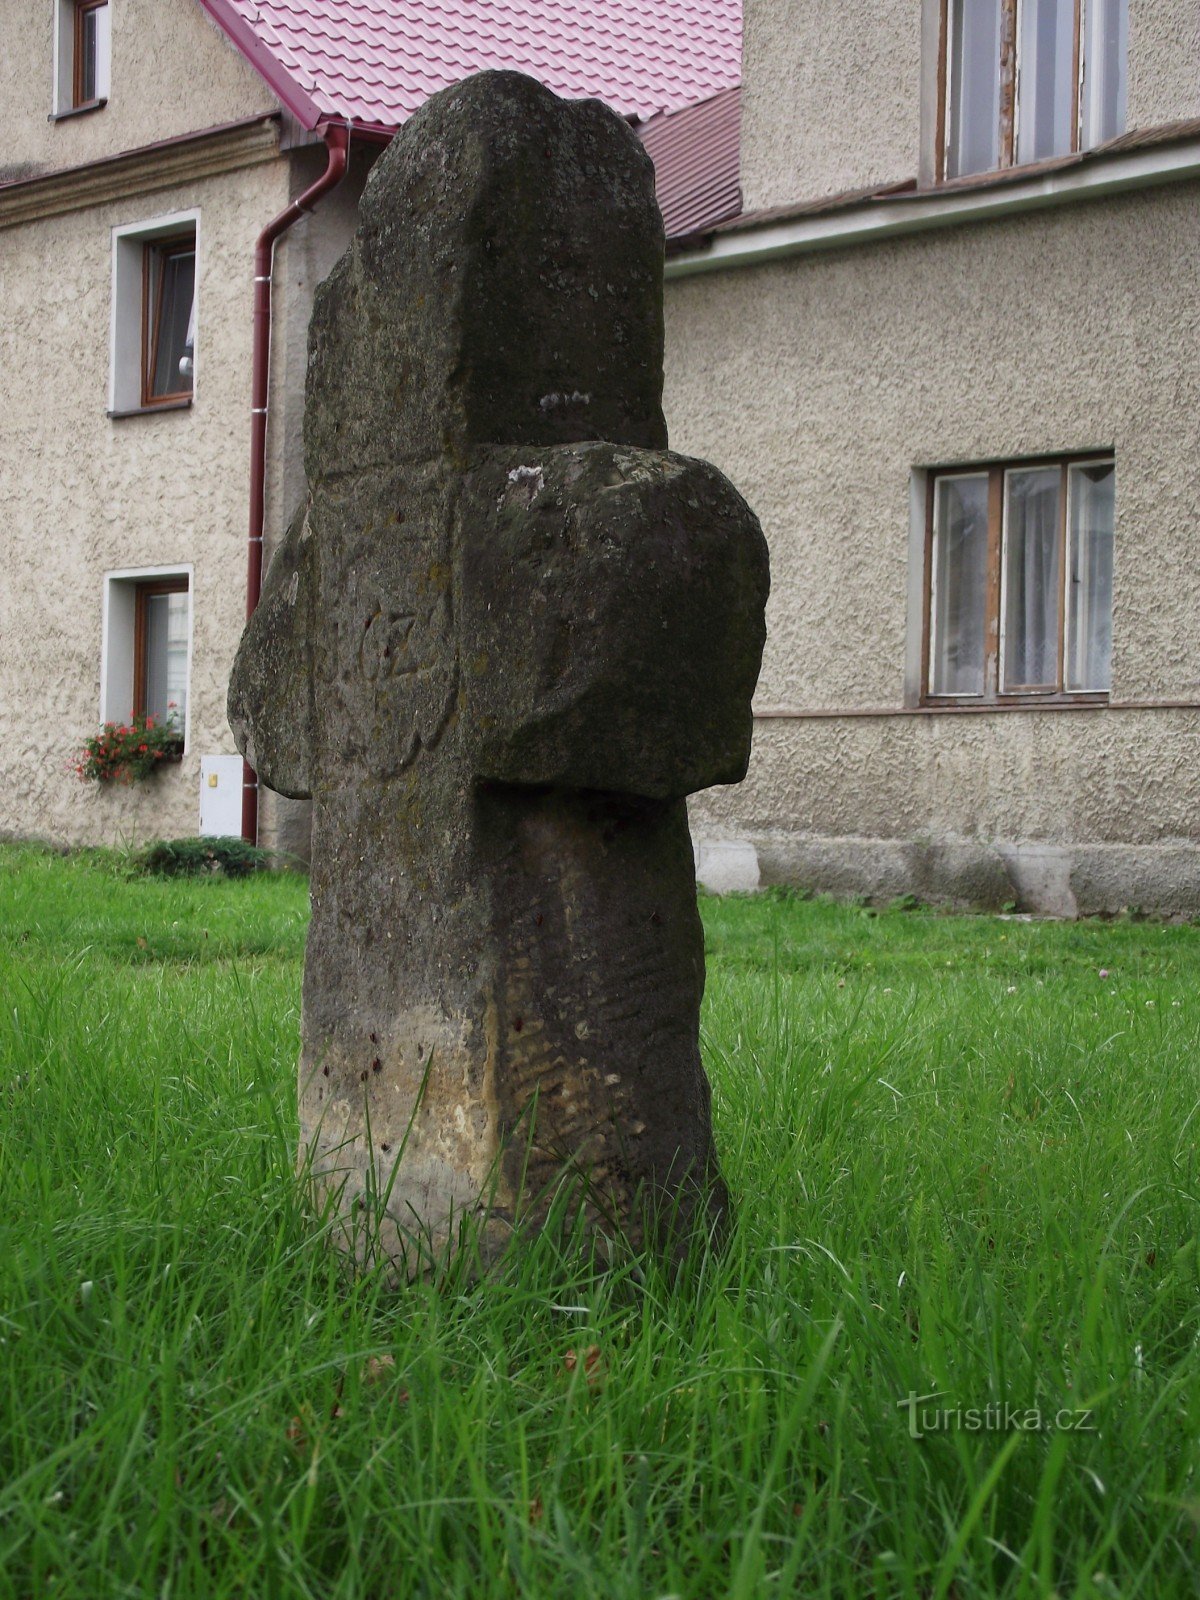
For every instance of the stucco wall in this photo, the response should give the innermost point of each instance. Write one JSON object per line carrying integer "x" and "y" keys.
{"x": 819, "y": 383}
{"x": 1164, "y": 61}
{"x": 173, "y": 72}
{"x": 83, "y": 494}
{"x": 831, "y": 97}
{"x": 838, "y": 97}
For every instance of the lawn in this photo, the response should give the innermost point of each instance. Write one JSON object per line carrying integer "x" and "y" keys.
{"x": 964, "y": 1153}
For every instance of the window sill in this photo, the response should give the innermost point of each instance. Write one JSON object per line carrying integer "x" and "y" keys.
{"x": 77, "y": 111}
{"x": 988, "y": 175}
{"x": 151, "y": 411}
{"x": 975, "y": 708}
{"x": 1029, "y": 702}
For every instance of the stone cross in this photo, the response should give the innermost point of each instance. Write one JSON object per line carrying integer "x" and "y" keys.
{"x": 506, "y": 637}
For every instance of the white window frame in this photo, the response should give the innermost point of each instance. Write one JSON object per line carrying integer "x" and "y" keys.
{"x": 62, "y": 100}
{"x": 126, "y": 321}
{"x": 117, "y": 639}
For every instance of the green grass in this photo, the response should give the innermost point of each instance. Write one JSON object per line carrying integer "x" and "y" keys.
{"x": 964, "y": 1162}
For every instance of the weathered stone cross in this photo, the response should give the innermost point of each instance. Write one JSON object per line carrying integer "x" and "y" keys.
{"x": 505, "y": 639}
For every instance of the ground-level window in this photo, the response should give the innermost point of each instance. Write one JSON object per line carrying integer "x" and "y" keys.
{"x": 162, "y": 613}
{"x": 147, "y": 647}
{"x": 1024, "y": 80}
{"x": 1019, "y": 564}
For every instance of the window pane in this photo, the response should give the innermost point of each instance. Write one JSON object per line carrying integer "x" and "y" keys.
{"x": 177, "y": 286}
{"x": 973, "y": 136}
{"x": 1046, "y": 79}
{"x": 166, "y": 644}
{"x": 1090, "y": 516}
{"x": 1105, "y": 50}
{"x": 1032, "y": 523}
{"x": 89, "y": 24}
{"x": 959, "y": 602}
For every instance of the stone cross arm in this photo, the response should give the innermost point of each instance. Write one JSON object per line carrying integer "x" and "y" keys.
{"x": 601, "y": 627}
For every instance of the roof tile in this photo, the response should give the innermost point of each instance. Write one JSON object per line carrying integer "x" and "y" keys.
{"x": 373, "y": 62}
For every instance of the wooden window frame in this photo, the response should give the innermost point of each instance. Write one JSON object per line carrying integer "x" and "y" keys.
{"x": 993, "y": 694}
{"x": 83, "y": 9}
{"x": 155, "y": 255}
{"x": 1008, "y": 68}
{"x": 142, "y": 593}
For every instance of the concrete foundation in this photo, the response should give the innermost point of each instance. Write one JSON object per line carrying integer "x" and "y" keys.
{"x": 964, "y": 874}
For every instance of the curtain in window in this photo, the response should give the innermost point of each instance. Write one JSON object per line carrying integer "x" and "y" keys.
{"x": 959, "y": 603}
{"x": 973, "y": 142}
{"x": 1105, "y": 49}
{"x": 1046, "y": 81}
{"x": 89, "y": 48}
{"x": 1032, "y": 520}
{"x": 1090, "y": 515}
{"x": 166, "y": 658}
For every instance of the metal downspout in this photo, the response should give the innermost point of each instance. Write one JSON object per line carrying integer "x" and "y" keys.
{"x": 337, "y": 141}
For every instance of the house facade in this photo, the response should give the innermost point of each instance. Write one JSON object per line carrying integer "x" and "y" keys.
{"x": 135, "y": 193}
{"x": 950, "y": 352}
{"x": 149, "y": 144}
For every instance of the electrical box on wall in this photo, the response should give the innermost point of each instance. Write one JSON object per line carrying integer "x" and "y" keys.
{"x": 221, "y": 795}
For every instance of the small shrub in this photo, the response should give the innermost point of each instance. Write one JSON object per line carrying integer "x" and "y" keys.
{"x": 175, "y": 858}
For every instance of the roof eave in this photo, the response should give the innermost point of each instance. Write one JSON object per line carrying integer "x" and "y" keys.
{"x": 277, "y": 78}
{"x": 749, "y": 241}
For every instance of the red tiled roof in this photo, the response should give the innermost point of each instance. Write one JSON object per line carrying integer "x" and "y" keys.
{"x": 695, "y": 155}
{"x": 374, "y": 62}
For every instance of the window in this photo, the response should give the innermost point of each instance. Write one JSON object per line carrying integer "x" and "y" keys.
{"x": 1019, "y": 563}
{"x": 154, "y": 315}
{"x": 168, "y": 337}
{"x": 160, "y": 650}
{"x": 89, "y": 18}
{"x": 1024, "y": 80}
{"x": 82, "y": 54}
{"x": 147, "y": 646}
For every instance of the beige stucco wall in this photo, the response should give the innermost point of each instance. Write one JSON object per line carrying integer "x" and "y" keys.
{"x": 831, "y": 97}
{"x": 84, "y": 495}
{"x": 838, "y": 97}
{"x": 173, "y": 71}
{"x": 1164, "y": 61}
{"x": 819, "y": 383}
